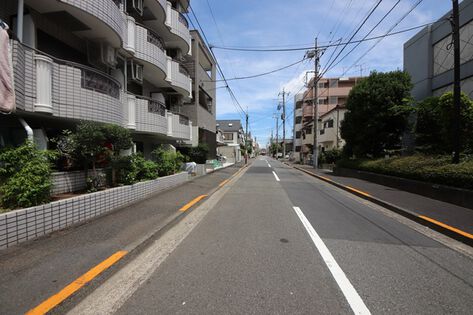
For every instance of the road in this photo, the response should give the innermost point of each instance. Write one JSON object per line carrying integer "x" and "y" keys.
{"x": 275, "y": 240}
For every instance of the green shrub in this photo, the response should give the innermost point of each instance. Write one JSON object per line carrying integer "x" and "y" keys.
{"x": 168, "y": 161}
{"x": 330, "y": 157}
{"x": 25, "y": 176}
{"x": 134, "y": 168}
{"x": 432, "y": 169}
{"x": 198, "y": 154}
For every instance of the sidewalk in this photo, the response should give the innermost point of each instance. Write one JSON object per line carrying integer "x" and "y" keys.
{"x": 454, "y": 216}
{"x": 33, "y": 271}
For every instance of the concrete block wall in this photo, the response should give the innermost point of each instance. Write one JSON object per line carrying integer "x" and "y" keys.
{"x": 27, "y": 224}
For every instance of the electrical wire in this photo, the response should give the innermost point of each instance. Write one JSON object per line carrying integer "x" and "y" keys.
{"x": 324, "y": 46}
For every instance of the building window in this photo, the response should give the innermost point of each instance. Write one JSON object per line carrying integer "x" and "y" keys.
{"x": 322, "y": 131}
{"x": 298, "y": 134}
{"x": 334, "y": 83}
{"x": 322, "y": 101}
{"x": 333, "y": 100}
{"x": 308, "y": 131}
{"x": 228, "y": 135}
{"x": 328, "y": 123}
{"x": 298, "y": 119}
{"x": 298, "y": 149}
{"x": 322, "y": 85}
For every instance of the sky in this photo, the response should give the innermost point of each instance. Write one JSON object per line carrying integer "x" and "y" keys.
{"x": 294, "y": 24}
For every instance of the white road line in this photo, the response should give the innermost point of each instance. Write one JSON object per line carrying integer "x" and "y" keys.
{"x": 269, "y": 165}
{"x": 276, "y": 176}
{"x": 355, "y": 301}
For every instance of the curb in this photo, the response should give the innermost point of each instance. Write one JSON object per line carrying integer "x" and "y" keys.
{"x": 399, "y": 210}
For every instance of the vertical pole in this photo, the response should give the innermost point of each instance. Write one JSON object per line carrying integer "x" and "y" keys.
{"x": 277, "y": 136}
{"x": 456, "y": 84}
{"x": 284, "y": 124}
{"x": 315, "y": 113}
{"x": 19, "y": 20}
{"x": 246, "y": 138}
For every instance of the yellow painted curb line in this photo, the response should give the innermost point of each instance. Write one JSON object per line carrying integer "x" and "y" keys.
{"x": 192, "y": 202}
{"x": 74, "y": 286}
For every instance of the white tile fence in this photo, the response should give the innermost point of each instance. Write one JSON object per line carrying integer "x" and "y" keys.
{"x": 27, "y": 224}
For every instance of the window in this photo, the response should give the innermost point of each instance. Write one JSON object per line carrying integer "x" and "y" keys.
{"x": 298, "y": 119}
{"x": 322, "y": 131}
{"x": 328, "y": 123}
{"x": 308, "y": 131}
{"x": 322, "y": 101}
{"x": 321, "y": 85}
{"x": 334, "y": 83}
{"x": 298, "y": 149}
{"x": 333, "y": 100}
{"x": 298, "y": 134}
{"x": 228, "y": 135}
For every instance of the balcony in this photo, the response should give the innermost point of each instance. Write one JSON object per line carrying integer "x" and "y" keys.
{"x": 60, "y": 88}
{"x": 298, "y": 142}
{"x": 299, "y": 97}
{"x": 179, "y": 27}
{"x": 150, "y": 115}
{"x": 150, "y": 51}
{"x": 307, "y": 111}
{"x": 298, "y": 112}
{"x": 91, "y": 18}
{"x": 327, "y": 135}
{"x": 179, "y": 126}
{"x": 337, "y": 91}
{"x": 179, "y": 78}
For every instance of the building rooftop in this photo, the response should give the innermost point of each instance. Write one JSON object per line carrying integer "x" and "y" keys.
{"x": 229, "y": 125}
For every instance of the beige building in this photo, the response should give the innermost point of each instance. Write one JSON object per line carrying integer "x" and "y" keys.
{"x": 332, "y": 95}
{"x": 329, "y": 129}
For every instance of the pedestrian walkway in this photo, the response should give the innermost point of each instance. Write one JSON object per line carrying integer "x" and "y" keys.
{"x": 455, "y": 216}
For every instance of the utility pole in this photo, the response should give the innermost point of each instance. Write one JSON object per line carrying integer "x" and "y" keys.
{"x": 283, "y": 118}
{"x": 315, "y": 113}
{"x": 455, "y": 21}
{"x": 277, "y": 134}
{"x": 246, "y": 138}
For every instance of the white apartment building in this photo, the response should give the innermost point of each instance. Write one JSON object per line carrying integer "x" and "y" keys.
{"x": 111, "y": 61}
{"x": 233, "y": 137}
{"x": 329, "y": 129}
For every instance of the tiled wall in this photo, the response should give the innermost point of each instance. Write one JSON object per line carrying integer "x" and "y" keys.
{"x": 149, "y": 52}
{"x": 64, "y": 182}
{"x": 26, "y": 224}
{"x": 105, "y": 10}
{"x": 149, "y": 122}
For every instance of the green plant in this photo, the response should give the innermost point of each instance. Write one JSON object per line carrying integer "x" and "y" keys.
{"x": 434, "y": 128}
{"x": 168, "y": 161}
{"x": 378, "y": 110}
{"x": 330, "y": 156}
{"x": 434, "y": 169}
{"x": 135, "y": 168}
{"x": 25, "y": 176}
{"x": 199, "y": 154}
{"x": 119, "y": 139}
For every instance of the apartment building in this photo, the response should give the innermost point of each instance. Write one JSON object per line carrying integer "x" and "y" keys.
{"x": 428, "y": 56}
{"x": 111, "y": 61}
{"x": 201, "y": 110}
{"x": 332, "y": 93}
{"x": 233, "y": 137}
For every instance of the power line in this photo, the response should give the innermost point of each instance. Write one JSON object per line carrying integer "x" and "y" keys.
{"x": 232, "y": 95}
{"x": 324, "y": 46}
{"x": 353, "y": 35}
{"x": 264, "y": 73}
{"x": 380, "y": 39}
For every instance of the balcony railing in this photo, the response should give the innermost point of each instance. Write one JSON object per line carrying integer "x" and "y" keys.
{"x": 183, "y": 70}
{"x": 155, "y": 39}
{"x": 183, "y": 20}
{"x": 95, "y": 81}
{"x": 154, "y": 106}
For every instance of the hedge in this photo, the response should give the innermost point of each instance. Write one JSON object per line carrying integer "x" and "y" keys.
{"x": 432, "y": 169}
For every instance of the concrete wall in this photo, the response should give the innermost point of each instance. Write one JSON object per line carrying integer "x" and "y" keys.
{"x": 27, "y": 224}
{"x": 429, "y": 61}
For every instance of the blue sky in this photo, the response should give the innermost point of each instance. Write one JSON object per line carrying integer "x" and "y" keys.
{"x": 287, "y": 24}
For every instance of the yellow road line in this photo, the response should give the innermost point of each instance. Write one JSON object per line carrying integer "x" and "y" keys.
{"x": 74, "y": 286}
{"x": 191, "y": 203}
{"x": 451, "y": 228}
{"x": 358, "y": 191}
{"x": 223, "y": 183}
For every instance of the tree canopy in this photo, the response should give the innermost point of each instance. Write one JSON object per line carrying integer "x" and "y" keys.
{"x": 378, "y": 109}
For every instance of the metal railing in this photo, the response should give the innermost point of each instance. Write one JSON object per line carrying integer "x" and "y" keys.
{"x": 183, "y": 69}
{"x": 154, "y": 38}
{"x": 183, "y": 19}
{"x": 183, "y": 120}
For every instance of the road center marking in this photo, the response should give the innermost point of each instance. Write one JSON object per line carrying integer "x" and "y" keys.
{"x": 355, "y": 301}
{"x": 75, "y": 285}
{"x": 276, "y": 176}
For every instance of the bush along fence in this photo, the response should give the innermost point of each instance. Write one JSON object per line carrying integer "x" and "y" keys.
{"x": 26, "y": 224}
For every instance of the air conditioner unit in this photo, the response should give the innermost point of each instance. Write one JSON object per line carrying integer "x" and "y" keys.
{"x": 108, "y": 55}
{"x": 135, "y": 7}
{"x": 135, "y": 72}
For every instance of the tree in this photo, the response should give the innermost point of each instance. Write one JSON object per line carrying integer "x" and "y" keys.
{"x": 434, "y": 130}
{"x": 378, "y": 109}
{"x": 120, "y": 139}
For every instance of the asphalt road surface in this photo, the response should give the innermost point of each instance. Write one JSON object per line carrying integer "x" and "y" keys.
{"x": 275, "y": 240}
